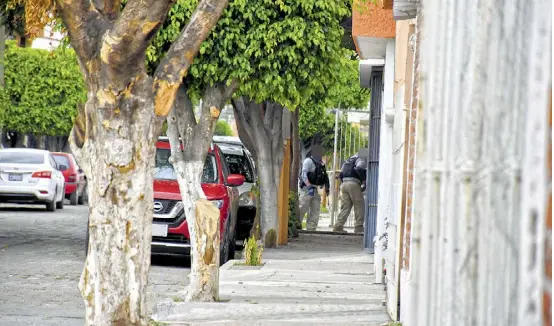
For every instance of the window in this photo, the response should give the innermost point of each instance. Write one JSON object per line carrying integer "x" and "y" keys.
{"x": 62, "y": 160}
{"x": 21, "y": 157}
{"x": 224, "y": 167}
{"x": 239, "y": 164}
{"x": 53, "y": 162}
{"x": 164, "y": 170}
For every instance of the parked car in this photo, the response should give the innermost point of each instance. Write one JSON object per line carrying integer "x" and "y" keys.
{"x": 170, "y": 233}
{"x": 31, "y": 176}
{"x": 240, "y": 161}
{"x": 75, "y": 179}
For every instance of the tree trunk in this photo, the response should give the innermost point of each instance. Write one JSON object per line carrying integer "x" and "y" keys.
{"x": 260, "y": 129}
{"x": 203, "y": 224}
{"x": 41, "y": 141}
{"x": 117, "y": 157}
{"x": 269, "y": 210}
{"x": 190, "y": 140}
{"x": 114, "y": 139}
{"x": 296, "y": 162}
{"x": 22, "y": 140}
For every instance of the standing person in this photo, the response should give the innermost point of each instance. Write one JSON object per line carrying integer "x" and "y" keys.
{"x": 312, "y": 177}
{"x": 352, "y": 176}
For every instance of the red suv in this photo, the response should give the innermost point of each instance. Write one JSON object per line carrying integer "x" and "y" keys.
{"x": 170, "y": 233}
{"x": 75, "y": 180}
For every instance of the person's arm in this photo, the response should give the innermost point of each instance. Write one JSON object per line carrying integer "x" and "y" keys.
{"x": 307, "y": 166}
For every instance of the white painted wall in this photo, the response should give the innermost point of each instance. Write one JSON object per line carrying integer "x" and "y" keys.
{"x": 49, "y": 41}
{"x": 385, "y": 163}
{"x": 480, "y": 185}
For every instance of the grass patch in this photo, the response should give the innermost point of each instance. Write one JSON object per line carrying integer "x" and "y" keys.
{"x": 153, "y": 322}
{"x": 253, "y": 252}
{"x": 177, "y": 299}
{"x": 324, "y": 210}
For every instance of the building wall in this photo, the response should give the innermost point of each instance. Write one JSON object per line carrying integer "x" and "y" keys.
{"x": 408, "y": 276}
{"x": 480, "y": 226}
{"x": 395, "y": 228}
{"x": 372, "y": 21}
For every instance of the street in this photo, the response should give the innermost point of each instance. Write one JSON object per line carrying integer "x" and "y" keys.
{"x": 41, "y": 259}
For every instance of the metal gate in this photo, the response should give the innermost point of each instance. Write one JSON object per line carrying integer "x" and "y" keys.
{"x": 352, "y": 130}
{"x": 373, "y": 161}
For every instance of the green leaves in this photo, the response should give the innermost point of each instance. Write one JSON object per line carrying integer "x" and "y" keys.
{"x": 278, "y": 50}
{"x": 42, "y": 90}
{"x": 223, "y": 129}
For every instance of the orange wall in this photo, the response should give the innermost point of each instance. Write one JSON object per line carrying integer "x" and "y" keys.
{"x": 370, "y": 20}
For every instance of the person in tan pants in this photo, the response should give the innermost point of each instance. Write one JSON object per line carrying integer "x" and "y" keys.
{"x": 352, "y": 175}
{"x": 312, "y": 177}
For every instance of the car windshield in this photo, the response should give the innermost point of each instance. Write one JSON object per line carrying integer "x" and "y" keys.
{"x": 62, "y": 160}
{"x": 239, "y": 164}
{"x": 164, "y": 170}
{"x": 21, "y": 157}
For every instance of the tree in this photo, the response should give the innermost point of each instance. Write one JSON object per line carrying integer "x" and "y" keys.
{"x": 42, "y": 91}
{"x": 310, "y": 36}
{"x": 270, "y": 52}
{"x": 343, "y": 91}
{"x": 223, "y": 129}
{"x": 114, "y": 136}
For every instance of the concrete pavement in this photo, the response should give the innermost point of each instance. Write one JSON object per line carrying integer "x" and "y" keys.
{"x": 316, "y": 280}
{"x": 41, "y": 258}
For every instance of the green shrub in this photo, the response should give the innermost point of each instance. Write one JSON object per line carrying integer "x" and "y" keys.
{"x": 253, "y": 252}
{"x": 293, "y": 219}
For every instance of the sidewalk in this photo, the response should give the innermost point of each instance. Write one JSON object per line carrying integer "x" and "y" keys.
{"x": 315, "y": 280}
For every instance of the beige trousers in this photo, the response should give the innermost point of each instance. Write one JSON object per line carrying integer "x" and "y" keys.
{"x": 351, "y": 196}
{"x": 312, "y": 206}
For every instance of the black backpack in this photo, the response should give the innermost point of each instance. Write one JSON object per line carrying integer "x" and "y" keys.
{"x": 319, "y": 176}
{"x": 348, "y": 169}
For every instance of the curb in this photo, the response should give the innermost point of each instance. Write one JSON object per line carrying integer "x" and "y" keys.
{"x": 331, "y": 233}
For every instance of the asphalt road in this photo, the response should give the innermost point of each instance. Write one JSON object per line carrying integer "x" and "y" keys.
{"x": 41, "y": 258}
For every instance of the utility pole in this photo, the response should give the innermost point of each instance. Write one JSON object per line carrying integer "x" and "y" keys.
{"x": 335, "y": 167}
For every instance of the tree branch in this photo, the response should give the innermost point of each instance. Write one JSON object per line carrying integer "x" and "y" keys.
{"x": 244, "y": 125}
{"x": 85, "y": 26}
{"x": 173, "y": 134}
{"x": 178, "y": 58}
{"x": 214, "y": 100}
{"x": 277, "y": 126}
{"x": 184, "y": 111}
{"x": 123, "y": 45}
{"x": 108, "y": 8}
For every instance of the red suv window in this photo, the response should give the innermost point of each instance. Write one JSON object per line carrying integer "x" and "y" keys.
{"x": 164, "y": 170}
{"x": 62, "y": 160}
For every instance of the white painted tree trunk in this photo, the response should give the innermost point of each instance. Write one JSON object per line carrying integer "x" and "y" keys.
{"x": 203, "y": 225}
{"x": 269, "y": 188}
{"x": 190, "y": 140}
{"x": 118, "y": 162}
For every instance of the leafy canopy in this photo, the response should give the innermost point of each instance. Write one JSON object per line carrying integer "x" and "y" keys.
{"x": 42, "y": 90}
{"x": 279, "y": 50}
{"x": 223, "y": 129}
{"x": 344, "y": 91}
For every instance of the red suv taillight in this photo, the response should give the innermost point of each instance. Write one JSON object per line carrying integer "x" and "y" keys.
{"x": 42, "y": 174}
{"x": 72, "y": 178}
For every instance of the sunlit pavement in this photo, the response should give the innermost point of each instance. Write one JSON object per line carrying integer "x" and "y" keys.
{"x": 41, "y": 259}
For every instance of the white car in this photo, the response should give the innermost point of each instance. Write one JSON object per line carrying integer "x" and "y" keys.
{"x": 31, "y": 176}
{"x": 240, "y": 161}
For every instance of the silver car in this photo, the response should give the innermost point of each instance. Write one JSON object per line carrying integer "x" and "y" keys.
{"x": 240, "y": 161}
{"x": 31, "y": 176}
